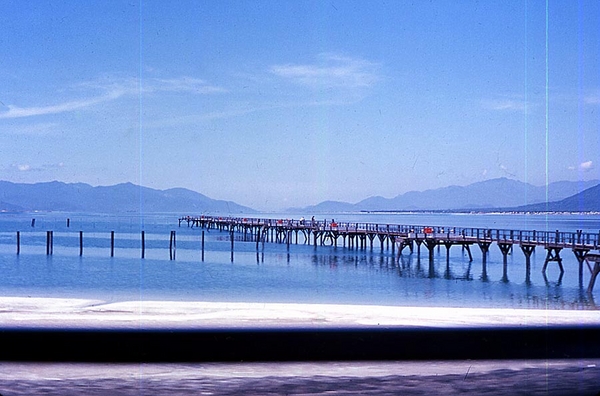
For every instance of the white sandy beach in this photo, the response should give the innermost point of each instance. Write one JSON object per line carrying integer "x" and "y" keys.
{"x": 57, "y": 312}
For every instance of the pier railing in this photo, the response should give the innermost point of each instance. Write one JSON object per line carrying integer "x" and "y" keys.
{"x": 577, "y": 239}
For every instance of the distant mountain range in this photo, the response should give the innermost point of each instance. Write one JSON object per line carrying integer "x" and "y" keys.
{"x": 494, "y": 194}
{"x": 126, "y": 197}
{"x": 586, "y": 201}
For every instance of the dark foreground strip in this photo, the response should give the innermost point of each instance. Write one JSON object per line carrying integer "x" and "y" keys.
{"x": 298, "y": 344}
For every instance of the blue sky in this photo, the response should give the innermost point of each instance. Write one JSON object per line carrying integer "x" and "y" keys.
{"x": 274, "y": 104}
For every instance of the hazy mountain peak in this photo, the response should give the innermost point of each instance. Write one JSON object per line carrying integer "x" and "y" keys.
{"x": 123, "y": 197}
{"x": 495, "y": 193}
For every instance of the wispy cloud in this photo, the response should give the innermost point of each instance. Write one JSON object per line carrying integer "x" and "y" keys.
{"x": 31, "y": 168}
{"x": 505, "y": 105}
{"x": 583, "y": 167}
{"x": 20, "y": 112}
{"x": 112, "y": 90}
{"x": 592, "y": 99}
{"x": 37, "y": 129}
{"x": 586, "y": 166}
{"x": 183, "y": 84}
{"x": 504, "y": 169}
{"x": 197, "y": 118}
{"x": 332, "y": 71}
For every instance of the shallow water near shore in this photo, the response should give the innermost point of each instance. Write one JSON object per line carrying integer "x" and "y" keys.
{"x": 277, "y": 273}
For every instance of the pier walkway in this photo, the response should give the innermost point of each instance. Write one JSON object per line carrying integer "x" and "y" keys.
{"x": 399, "y": 237}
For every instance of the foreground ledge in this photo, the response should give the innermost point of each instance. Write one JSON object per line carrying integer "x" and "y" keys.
{"x": 68, "y": 330}
{"x": 300, "y": 344}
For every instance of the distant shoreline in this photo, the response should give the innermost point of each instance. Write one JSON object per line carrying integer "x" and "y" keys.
{"x": 483, "y": 212}
{"x": 471, "y": 212}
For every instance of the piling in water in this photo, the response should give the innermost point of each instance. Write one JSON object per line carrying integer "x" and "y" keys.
{"x": 112, "y": 244}
{"x": 202, "y": 245}
{"x": 172, "y": 246}
{"x": 231, "y": 235}
{"x": 49, "y": 242}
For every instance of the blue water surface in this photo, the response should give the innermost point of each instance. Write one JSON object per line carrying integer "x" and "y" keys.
{"x": 278, "y": 273}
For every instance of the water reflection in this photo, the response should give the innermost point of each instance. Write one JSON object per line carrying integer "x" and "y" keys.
{"x": 448, "y": 272}
{"x": 406, "y": 266}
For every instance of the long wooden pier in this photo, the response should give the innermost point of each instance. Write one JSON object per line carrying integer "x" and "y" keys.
{"x": 399, "y": 237}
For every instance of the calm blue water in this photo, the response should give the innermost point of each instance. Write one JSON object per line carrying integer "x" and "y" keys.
{"x": 276, "y": 274}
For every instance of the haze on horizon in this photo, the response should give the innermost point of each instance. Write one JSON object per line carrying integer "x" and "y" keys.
{"x": 287, "y": 104}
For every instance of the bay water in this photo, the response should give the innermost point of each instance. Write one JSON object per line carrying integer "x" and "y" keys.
{"x": 299, "y": 273}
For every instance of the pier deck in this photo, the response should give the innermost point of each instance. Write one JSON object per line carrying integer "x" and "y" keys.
{"x": 395, "y": 236}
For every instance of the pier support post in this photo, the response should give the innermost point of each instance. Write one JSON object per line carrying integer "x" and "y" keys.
{"x": 231, "y": 237}
{"x": 505, "y": 248}
{"x": 580, "y": 255}
{"x": 527, "y": 251}
{"x": 595, "y": 273}
{"x": 202, "y": 243}
{"x": 431, "y": 244}
{"x": 80, "y": 243}
{"x": 595, "y": 258}
{"x": 402, "y": 243}
{"x": 381, "y": 239}
{"x": 144, "y": 244}
{"x": 485, "y": 248}
{"x": 468, "y": 249}
{"x": 448, "y": 246}
{"x": 387, "y": 227}
{"x": 371, "y": 237}
{"x": 18, "y": 242}
{"x": 553, "y": 255}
